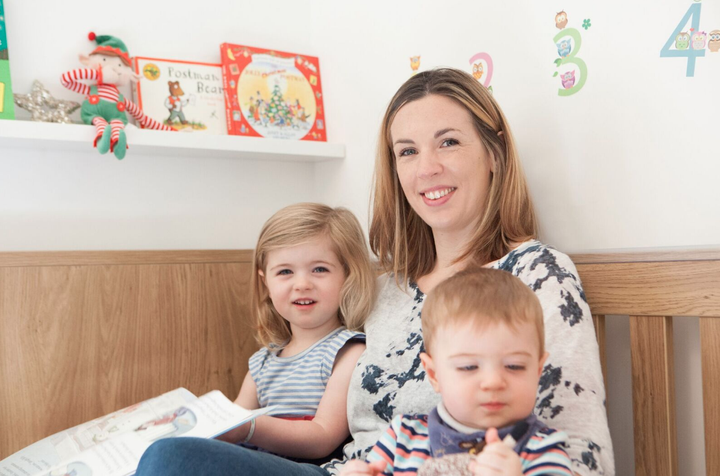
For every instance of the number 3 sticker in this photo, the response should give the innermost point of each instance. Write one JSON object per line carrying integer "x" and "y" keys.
{"x": 571, "y": 58}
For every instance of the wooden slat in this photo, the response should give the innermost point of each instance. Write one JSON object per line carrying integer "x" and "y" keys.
{"x": 651, "y": 349}
{"x": 599, "y": 322}
{"x": 710, "y": 355}
{"x": 98, "y": 258}
{"x": 653, "y": 289}
{"x": 700, "y": 254}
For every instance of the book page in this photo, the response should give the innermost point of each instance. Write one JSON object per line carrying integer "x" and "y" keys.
{"x": 112, "y": 445}
{"x": 216, "y": 414}
{"x": 40, "y": 457}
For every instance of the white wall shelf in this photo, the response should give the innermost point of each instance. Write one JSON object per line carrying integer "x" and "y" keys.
{"x": 78, "y": 137}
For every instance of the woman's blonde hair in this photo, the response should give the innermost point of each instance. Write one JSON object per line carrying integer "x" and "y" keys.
{"x": 300, "y": 223}
{"x": 398, "y": 236}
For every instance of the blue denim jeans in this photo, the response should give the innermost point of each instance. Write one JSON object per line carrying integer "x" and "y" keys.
{"x": 200, "y": 457}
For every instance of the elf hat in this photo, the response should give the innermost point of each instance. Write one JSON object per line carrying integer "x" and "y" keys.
{"x": 111, "y": 46}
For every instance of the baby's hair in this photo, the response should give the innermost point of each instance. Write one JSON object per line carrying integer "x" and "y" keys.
{"x": 300, "y": 223}
{"x": 483, "y": 296}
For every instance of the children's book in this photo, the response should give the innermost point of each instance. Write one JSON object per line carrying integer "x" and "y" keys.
{"x": 181, "y": 94}
{"x": 112, "y": 445}
{"x": 7, "y": 107}
{"x": 273, "y": 94}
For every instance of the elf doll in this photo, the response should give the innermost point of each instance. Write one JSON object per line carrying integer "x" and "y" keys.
{"x": 104, "y": 107}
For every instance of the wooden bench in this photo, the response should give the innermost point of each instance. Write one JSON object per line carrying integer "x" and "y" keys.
{"x": 86, "y": 333}
{"x": 653, "y": 289}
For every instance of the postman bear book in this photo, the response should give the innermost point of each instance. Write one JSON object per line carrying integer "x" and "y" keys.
{"x": 272, "y": 94}
{"x": 182, "y": 94}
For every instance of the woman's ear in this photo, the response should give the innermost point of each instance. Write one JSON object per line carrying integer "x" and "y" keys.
{"x": 493, "y": 162}
{"x": 429, "y": 365}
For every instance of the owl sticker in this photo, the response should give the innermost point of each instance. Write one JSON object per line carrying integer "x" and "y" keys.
{"x": 561, "y": 20}
{"x": 568, "y": 79}
{"x": 698, "y": 40}
{"x": 682, "y": 41}
{"x": 564, "y": 47}
{"x": 415, "y": 63}
{"x": 478, "y": 71}
{"x": 714, "y": 41}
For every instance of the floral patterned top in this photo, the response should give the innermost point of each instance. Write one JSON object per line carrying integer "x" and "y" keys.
{"x": 389, "y": 379}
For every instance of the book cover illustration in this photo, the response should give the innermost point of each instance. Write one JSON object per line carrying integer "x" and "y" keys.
{"x": 272, "y": 94}
{"x": 7, "y": 107}
{"x": 181, "y": 94}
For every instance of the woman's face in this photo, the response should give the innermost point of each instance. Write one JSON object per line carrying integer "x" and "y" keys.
{"x": 442, "y": 164}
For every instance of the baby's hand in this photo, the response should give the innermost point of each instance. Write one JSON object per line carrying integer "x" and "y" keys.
{"x": 496, "y": 459}
{"x": 357, "y": 467}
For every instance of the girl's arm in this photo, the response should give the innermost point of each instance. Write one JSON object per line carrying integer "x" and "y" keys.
{"x": 247, "y": 398}
{"x": 319, "y": 437}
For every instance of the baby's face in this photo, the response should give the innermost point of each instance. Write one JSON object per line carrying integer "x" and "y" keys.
{"x": 487, "y": 378}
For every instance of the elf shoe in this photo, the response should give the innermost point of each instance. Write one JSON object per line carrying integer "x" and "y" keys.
{"x": 120, "y": 146}
{"x": 103, "y": 145}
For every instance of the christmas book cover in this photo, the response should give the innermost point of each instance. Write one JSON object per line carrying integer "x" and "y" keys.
{"x": 181, "y": 94}
{"x": 7, "y": 106}
{"x": 274, "y": 94}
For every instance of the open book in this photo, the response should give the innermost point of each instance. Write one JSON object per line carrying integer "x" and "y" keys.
{"x": 112, "y": 445}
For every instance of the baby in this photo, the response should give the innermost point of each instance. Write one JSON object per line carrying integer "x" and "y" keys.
{"x": 484, "y": 353}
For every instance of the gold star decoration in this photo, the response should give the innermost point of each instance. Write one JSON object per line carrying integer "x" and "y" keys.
{"x": 44, "y": 107}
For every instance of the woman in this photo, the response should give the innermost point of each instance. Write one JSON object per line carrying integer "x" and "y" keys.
{"x": 449, "y": 193}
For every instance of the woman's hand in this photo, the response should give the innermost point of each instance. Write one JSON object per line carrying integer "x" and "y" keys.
{"x": 496, "y": 459}
{"x": 357, "y": 467}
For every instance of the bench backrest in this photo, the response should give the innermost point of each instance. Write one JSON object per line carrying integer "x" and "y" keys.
{"x": 653, "y": 289}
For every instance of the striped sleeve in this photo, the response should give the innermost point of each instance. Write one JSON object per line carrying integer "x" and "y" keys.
{"x": 545, "y": 455}
{"x": 404, "y": 447}
{"x": 71, "y": 80}
{"x": 331, "y": 347}
{"x": 145, "y": 121}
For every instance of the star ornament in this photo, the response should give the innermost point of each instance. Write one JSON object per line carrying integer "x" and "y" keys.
{"x": 44, "y": 107}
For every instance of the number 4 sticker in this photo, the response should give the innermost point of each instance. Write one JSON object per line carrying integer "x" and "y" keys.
{"x": 682, "y": 40}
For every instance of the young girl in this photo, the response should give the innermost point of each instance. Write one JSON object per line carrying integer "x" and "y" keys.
{"x": 313, "y": 287}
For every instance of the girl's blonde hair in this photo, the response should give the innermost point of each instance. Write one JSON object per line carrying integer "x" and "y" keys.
{"x": 300, "y": 223}
{"x": 398, "y": 236}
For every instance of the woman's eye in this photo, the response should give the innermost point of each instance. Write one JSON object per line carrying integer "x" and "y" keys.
{"x": 407, "y": 152}
{"x": 321, "y": 269}
{"x": 450, "y": 142}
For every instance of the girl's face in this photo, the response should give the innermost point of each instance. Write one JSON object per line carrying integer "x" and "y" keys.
{"x": 304, "y": 282}
{"x": 442, "y": 164}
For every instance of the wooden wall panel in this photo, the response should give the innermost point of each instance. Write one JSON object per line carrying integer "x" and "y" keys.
{"x": 80, "y": 341}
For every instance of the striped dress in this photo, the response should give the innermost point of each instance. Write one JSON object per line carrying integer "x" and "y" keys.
{"x": 405, "y": 447}
{"x": 294, "y": 385}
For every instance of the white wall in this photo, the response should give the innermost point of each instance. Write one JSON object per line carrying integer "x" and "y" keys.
{"x": 631, "y": 161}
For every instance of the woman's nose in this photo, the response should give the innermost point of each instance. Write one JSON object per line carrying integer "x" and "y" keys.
{"x": 428, "y": 165}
